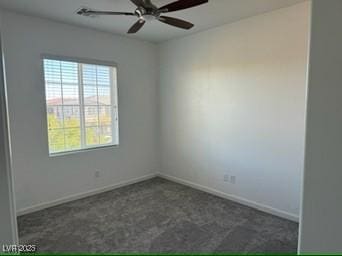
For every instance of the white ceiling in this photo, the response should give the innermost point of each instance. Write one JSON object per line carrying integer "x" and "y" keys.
{"x": 215, "y": 13}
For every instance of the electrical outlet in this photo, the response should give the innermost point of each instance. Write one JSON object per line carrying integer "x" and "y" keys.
{"x": 226, "y": 178}
{"x": 233, "y": 179}
{"x": 97, "y": 174}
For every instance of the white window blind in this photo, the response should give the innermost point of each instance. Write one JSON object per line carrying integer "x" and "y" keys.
{"x": 81, "y": 101}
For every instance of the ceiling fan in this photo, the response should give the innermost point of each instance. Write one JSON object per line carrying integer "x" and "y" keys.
{"x": 147, "y": 11}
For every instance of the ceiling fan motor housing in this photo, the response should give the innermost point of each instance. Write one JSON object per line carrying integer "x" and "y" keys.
{"x": 147, "y": 12}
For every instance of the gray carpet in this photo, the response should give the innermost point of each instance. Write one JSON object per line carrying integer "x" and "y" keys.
{"x": 156, "y": 216}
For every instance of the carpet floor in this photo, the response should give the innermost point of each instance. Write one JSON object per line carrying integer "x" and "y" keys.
{"x": 156, "y": 216}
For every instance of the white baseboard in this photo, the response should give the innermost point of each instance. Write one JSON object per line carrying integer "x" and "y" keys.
{"x": 92, "y": 192}
{"x": 237, "y": 199}
{"x": 258, "y": 206}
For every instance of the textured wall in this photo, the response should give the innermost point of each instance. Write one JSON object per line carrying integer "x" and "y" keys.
{"x": 232, "y": 100}
{"x": 40, "y": 178}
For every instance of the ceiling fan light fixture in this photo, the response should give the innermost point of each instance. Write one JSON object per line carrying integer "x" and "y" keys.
{"x": 149, "y": 17}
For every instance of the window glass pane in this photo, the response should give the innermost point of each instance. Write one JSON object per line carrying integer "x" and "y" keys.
{"x": 89, "y": 84}
{"x": 103, "y": 77}
{"x": 72, "y": 138}
{"x": 52, "y": 71}
{"x": 71, "y": 116}
{"x": 105, "y": 116}
{"x": 89, "y": 74}
{"x": 91, "y": 115}
{"x": 103, "y": 85}
{"x": 90, "y": 95}
{"x": 53, "y": 84}
{"x": 92, "y": 136}
{"x": 53, "y": 93}
{"x": 61, "y": 86}
{"x": 69, "y": 72}
{"x": 104, "y": 95}
{"x": 56, "y": 140}
{"x": 80, "y": 104}
{"x": 105, "y": 134}
{"x": 55, "y": 117}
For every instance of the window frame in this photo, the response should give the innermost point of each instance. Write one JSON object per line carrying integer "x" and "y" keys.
{"x": 114, "y": 107}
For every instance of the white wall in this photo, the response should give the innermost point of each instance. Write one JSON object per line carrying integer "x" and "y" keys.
{"x": 8, "y": 230}
{"x": 232, "y": 99}
{"x": 321, "y": 223}
{"x": 40, "y": 178}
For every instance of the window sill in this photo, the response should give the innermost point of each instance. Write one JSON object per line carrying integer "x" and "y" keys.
{"x": 77, "y": 151}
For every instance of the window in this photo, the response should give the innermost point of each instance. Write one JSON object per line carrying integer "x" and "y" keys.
{"x": 81, "y": 101}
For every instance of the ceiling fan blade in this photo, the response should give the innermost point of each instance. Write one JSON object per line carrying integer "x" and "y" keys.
{"x": 88, "y": 12}
{"x": 176, "y": 22}
{"x": 181, "y": 4}
{"x": 138, "y": 3}
{"x": 136, "y": 26}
